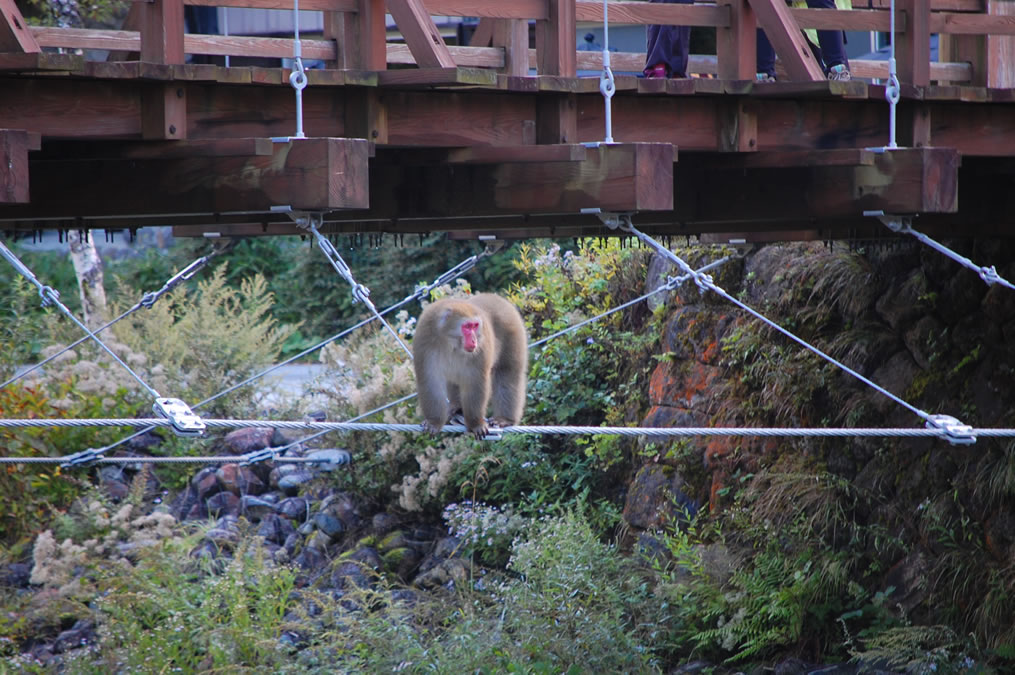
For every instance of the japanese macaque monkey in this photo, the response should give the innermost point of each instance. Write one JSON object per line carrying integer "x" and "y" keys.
{"x": 470, "y": 355}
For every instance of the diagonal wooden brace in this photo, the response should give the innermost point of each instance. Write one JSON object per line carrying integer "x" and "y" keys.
{"x": 14, "y": 33}
{"x": 421, "y": 34}
{"x": 790, "y": 44}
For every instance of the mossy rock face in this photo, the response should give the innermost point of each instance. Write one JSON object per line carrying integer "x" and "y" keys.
{"x": 401, "y": 561}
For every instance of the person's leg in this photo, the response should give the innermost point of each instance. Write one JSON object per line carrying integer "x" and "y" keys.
{"x": 668, "y": 46}
{"x": 766, "y": 56}
{"x": 833, "y": 50}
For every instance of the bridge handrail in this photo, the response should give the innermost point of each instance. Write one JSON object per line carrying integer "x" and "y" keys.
{"x": 354, "y": 28}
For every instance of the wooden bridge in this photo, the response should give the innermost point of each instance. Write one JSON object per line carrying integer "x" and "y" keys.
{"x": 422, "y": 136}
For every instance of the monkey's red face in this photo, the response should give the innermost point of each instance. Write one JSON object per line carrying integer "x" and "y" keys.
{"x": 470, "y": 335}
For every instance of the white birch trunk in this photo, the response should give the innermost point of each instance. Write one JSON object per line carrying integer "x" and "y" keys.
{"x": 88, "y": 268}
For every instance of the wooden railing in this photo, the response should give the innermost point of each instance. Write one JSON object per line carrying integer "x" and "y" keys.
{"x": 977, "y": 37}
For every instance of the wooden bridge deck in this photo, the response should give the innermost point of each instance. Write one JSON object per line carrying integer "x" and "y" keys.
{"x": 468, "y": 142}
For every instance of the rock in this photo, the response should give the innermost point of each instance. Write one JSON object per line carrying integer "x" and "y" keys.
{"x": 443, "y": 549}
{"x": 310, "y": 558}
{"x": 116, "y": 490}
{"x": 926, "y": 341}
{"x": 206, "y": 483}
{"x": 695, "y": 332}
{"x": 289, "y": 478}
{"x": 903, "y": 302}
{"x": 292, "y": 543}
{"x": 999, "y": 535}
{"x": 329, "y": 459}
{"x": 249, "y": 439}
{"x": 382, "y": 523}
{"x": 402, "y": 561}
{"x": 682, "y": 384}
{"x": 656, "y": 498}
{"x": 223, "y": 504}
{"x": 447, "y": 574}
{"x": 343, "y": 506}
{"x": 81, "y": 634}
{"x": 15, "y": 575}
{"x": 909, "y": 579}
{"x": 328, "y": 525}
{"x": 240, "y": 480}
{"x": 895, "y": 376}
{"x": 358, "y": 568}
{"x": 294, "y": 508}
{"x": 183, "y": 502}
{"x": 275, "y": 529}
{"x": 255, "y": 508}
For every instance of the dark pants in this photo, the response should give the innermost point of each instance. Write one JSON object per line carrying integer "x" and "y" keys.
{"x": 669, "y": 45}
{"x": 833, "y": 51}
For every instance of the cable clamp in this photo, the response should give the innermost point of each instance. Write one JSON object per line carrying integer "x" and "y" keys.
{"x": 83, "y": 458}
{"x": 955, "y": 432}
{"x": 49, "y": 295}
{"x": 329, "y": 459}
{"x": 990, "y": 275}
{"x": 183, "y": 275}
{"x": 262, "y": 455}
{"x": 610, "y": 219}
{"x": 494, "y": 434}
{"x": 182, "y": 419}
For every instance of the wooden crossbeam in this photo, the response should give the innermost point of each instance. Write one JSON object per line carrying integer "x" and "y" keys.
{"x": 313, "y": 174}
{"x": 790, "y": 44}
{"x": 14, "y": 33}
{"x": 420, "y": 33}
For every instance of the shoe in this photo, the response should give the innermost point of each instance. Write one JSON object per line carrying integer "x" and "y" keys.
{"x": 658, "y": 71}
{"x": 764, "y": 77}
{"x": 839, "y": 73}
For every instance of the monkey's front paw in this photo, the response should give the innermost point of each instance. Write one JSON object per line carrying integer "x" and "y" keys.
{"x": 479, "y": 430}
{"x": 502, "y": 422}
{"x": 431, "y": 428}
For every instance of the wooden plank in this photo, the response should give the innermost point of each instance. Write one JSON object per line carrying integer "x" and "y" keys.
{"x": 41, "y": 62}
{"x": 437, "y": 77}
{"x": 913, "y": 45}
{"x": 305, "y": 5}
{"x": 476, "y": 57}
{"x": 935, "y": 5}
{"x": 516, "y": 9}
{"x": 649, "y": 13}
{"x": 556, "y": 41}
{"x": 14, "y": 147}
{"x": 736, "y": 43}
{"x": 790, "y": 44}
{"x": 621, "y": 177}
{"x": 862, "y": 20}
{"x": 226, "y": 147}
{"x": 420, "y": 33}
{"x": 738, "y": 127}
{"x": 516, "y": 154}
{"x": 14, "y": 33}
{"x": 784, "y": 159}
{"x": 974, "y": 24}
{"x": 313, "y": 174}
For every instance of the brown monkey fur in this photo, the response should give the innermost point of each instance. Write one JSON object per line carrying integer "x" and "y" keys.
{"x": 449, "y": 377}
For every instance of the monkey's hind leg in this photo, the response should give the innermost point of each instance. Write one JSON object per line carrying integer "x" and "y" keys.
{"x": 508, "y": 396}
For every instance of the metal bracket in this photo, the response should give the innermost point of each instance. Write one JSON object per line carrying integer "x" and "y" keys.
{"x": 83, "y": 458}
{"x": 329, "y": 459}
{"x": 262, "y": 455}
{"x": 956, "y": 432}
{"x": 182, "y": 419}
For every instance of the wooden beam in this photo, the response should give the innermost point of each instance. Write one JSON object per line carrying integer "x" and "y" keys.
{"x": 164, "y": 111}
{"x": 902, "y": 181}
{"x": 790, "y": 44}
{"x": 312, "y": 174}
{"x": 421, "y": 34}
{"x": 162, "y": 31}
{"x": 658, "y": 13}
{"x": 14, "y": 33}
{"x": 621, "y": 177}
{"x": 365, "y": 37}
{"x": 516, "y": 9}
{"x": 783, "y": 159}
{"x": 14, "y": 147}
{"x": 41, "y": 62}
{"x": 736, "y": 43}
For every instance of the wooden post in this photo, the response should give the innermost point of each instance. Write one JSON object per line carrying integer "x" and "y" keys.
{"x": 736, "y": 45}
{"x": 364, "y": 46}
{"x": 162, "y": 32}
{"x": 14, "y": 146}
{"x": 912, "y": 49}
{"x": 556, "y": 40}
{"x": 513, "y": 36}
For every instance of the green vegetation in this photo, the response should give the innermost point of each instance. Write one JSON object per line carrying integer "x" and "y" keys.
{"x": 790, "y": 561}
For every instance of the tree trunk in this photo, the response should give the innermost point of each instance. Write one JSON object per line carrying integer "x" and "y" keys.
{"x": 88, "y": 268}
